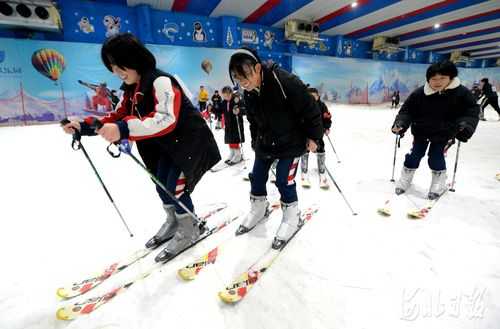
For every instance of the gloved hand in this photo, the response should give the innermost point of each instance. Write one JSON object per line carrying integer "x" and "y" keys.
{"x": 398, "y": 129}
{"x": 464, "y": 132}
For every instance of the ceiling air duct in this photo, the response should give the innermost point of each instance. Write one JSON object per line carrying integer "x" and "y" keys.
{"x": 33, "y": 15}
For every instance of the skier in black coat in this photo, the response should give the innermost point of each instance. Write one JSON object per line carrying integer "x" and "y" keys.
{"x": 172, "y": 138}
{"x": 234, "y": 133}
{"x": 490, "y": 98}
{"x": 284, "y": 122}
{"x": 438, "y": 112}
{"x": 395, "y": 99}
{"x": 217, "y": 109}
{"x": 326, "y": 120}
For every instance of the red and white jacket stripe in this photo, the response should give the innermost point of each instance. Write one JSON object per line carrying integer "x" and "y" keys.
{"x": 161, "y": 121}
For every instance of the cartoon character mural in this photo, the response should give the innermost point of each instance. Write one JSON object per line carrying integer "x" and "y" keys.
{"x": 85, "y": 26}
{"x": 102, "y": 97}
{"x": 169, "y": 30}
{"x": 268, "y": 39}
{"x": 229, "y": 37}
{"x": 198, "y": 33}
{"x": 348, "y": 49}
{"x": 112, "y": 25}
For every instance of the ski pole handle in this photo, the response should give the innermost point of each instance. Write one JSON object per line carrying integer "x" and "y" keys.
{"x": 77, "y": 136}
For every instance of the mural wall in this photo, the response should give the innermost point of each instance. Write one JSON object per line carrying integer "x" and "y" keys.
{"x": 358, "y": 81}
{"x": 45, "y": 81}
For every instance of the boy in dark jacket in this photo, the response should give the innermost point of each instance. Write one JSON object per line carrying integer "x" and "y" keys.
{"x": 395, "y": 99}
{"x": 234, "y": 134}
{"x": 284, "y": 123}
{"x": 439, "y": 111}
{"x": 172, "y": 138}
{"x": 490, "y": 97}
{"x": 320, "y": 153}
{"x": 216, "y": 108}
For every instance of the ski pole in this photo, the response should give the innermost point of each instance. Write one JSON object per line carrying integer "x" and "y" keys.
{"x": 124, "y": 146}
{"x": 396, "y": 145}
{"x": 338, "y": 188}
{"x": 452, "y": 189}
{"x": 333, "y": 148}
{"x": 239, "y": 135}
{"x": 76, "y": 144}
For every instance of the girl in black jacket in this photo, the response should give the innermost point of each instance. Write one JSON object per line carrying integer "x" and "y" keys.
{"x": 438, "y": 112}
{"x": 490, "y": 98}
{"x": 172, "y": 138}
{"x": 234, "y": 133}
{"x": 284, "y": 122}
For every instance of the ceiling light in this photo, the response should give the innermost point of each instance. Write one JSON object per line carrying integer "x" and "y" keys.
{"x": 354, "y": 4}
{"x": 437, "y": 26}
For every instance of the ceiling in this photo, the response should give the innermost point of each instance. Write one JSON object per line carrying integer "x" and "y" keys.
{"x": 466, "y": 25}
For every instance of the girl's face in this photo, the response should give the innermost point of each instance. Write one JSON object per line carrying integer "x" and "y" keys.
{"x": 129, "y": 76}
{"x": 226, "y": 96}
{"x": 439, "y": 82}
{"x": 252, "y": 80}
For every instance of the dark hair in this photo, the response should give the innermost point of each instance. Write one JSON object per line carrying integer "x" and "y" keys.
{"x": 126, "y": 51}
{"x": 445, "y": 67}
{"x": 313, "y": 90}
{"x": 227, "y": 89}
{"x": 485, "y": 80}
{"x": 240, "y": 60}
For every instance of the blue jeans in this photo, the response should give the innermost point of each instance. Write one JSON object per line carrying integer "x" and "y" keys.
{"x": 436, "y": 157}
{"x": 286, "y": 170}
{"x": 173, "y": 179}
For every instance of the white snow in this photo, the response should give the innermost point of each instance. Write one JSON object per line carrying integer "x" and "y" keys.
{"x": 342, "y": 271}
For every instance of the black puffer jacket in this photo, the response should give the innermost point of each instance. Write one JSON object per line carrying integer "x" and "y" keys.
{"x": 487, "y": 91}
{"x": 158, "y": 115}
{"x": 282, "y": 115}
{"x": 440, "y": 116}
{"x": 231, "y": 123}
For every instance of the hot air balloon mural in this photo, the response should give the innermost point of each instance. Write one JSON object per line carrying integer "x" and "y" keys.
{"x": 206, "y": 66}
{"x": 50, "y": 63}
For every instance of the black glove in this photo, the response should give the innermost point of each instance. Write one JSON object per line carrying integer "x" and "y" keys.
{"x": 398, "y": 124}
{"x": 464, "y": 132}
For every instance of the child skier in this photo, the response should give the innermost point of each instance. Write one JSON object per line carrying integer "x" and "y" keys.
{"x": 284, "y": 122}
{"x": 320, "y": 153}
{"x": 217, "y": 109}
{"x": 172, "y": 138}
{"x": 439, "y": 111}
{"x": 233, "y": 125}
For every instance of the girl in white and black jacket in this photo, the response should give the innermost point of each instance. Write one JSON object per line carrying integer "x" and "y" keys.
{"x": 438, "y": 112}
{"x": 285, "y": 121}
{"x": 172, "y": 138}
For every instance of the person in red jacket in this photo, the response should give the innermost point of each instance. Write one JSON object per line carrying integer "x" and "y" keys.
{"x": 172, "y": 138}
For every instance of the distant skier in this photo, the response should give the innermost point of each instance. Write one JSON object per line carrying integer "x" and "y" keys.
{"x": 320, "y": 153}
{"x": 490, "y": 98}
{"x": 284, "y": 122}
{"x": 395, "y": 99}
{"x": 234, "y": 133}
{"x": 217, "y": 109}
{"x": 439, "y": 111}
